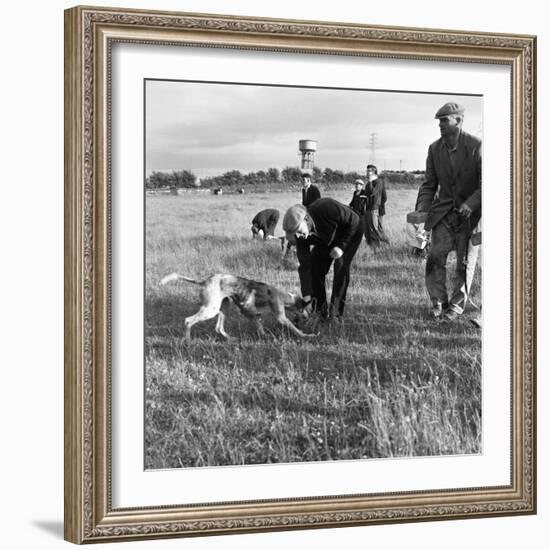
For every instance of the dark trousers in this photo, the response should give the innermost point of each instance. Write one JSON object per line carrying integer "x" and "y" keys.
{"x": 374, "y": 228}
{"x": 314, "y": 266}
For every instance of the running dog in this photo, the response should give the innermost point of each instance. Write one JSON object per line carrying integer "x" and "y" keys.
{"x": 251, "y": 297}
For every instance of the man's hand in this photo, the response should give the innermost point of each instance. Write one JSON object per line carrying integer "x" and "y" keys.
{"x": 336, "y": 253}
{"x": 465, "y": 210}
{"x": 416, "y": 217}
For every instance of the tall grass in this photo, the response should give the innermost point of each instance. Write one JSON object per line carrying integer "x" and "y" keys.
{"x": 386, "y": 382}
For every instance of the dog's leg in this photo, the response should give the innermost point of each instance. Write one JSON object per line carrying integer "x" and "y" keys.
{"x": 204, "y": 313}
{"x": 278, "y": 309}
{"x": 254, "y": 318}
{"x": 257, "y": 325}
{"x": 285, "y": 321}
{"x": 212, "y": 299}
{"x": 221, "y": 317}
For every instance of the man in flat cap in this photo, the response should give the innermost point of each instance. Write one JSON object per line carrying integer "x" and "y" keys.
{"x": 359, "y": 198}
{"x": 324, "y": 232}
{"x": 451, "y": 197}
{"x": 310, "y": 192}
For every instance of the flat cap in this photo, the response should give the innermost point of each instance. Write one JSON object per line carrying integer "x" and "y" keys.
{"x": 359, "y": 181}
{"x": 450, "y": 109}
{"x": 306, "y": 173}
{"x": 294, "y": 216}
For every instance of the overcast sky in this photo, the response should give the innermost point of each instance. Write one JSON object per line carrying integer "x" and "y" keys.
{"x": 210, "y": 128}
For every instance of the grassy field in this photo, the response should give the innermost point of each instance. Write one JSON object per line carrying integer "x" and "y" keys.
{"x": 386, "y": 382}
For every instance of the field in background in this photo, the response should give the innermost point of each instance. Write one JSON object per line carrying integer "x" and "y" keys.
{"x": 387, "y": 382}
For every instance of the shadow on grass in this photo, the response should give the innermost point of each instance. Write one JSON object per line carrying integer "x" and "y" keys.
{"x": 165, "y": 315}
{"x": 368, "y": 326}
{"x": 316, "y": 359}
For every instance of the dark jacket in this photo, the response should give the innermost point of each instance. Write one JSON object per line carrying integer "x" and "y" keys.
{"x": 309, "y": 195}
{"x": 359, "y": 201}
{"x": 378, "y": 197}
{"x": 335, "y": 223}
{"x": 446, "y": 188}
{"x": 266, "y": 220}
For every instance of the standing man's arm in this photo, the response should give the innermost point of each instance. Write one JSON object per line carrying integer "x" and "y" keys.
{"x": 346, "y": 226}
{"x": 428, "y": 189}
{"x": 383, "y": 199}
{"x": 315, "y": 194}
{"x": 473, "y": 202}
{"x": 363, "y": 201}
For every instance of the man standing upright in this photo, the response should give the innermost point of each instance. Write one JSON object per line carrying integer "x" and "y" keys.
{"x": 376, "y": 208}
{"x": 451, "y": 196}
{"x": 310, "y": 193}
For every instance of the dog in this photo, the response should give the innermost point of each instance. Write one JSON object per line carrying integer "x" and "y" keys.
{"x": 251, "y": 297}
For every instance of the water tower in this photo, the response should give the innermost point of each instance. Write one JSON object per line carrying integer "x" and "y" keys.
{"x": 307, "y": 149}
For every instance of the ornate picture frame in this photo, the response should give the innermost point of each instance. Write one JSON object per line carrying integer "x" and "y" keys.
{"x": 90, "y": 35}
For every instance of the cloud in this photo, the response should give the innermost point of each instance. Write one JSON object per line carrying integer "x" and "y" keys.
{"x": 202, "y": 126}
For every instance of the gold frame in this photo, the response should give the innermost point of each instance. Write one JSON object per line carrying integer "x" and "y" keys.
{"x": 89, "y": 34}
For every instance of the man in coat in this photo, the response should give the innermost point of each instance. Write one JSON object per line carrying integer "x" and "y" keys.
{"x": 265, "y": 221}
{"x": 376, "y": 208}
{"x": 451, "y": 196}
{"x": 325, "y": 232}
{"x": 310, "y": 193}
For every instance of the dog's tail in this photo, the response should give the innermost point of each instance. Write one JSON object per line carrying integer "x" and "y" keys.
{"x": 176, "y": 277}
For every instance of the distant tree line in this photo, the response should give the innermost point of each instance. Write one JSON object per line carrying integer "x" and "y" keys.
{"x": 273, "y": 176}
{"x": 177, "y": 178}
{"x": 402, "y": 177}
{"x": 235, "y": 178}
{"x": 291, "y": 175}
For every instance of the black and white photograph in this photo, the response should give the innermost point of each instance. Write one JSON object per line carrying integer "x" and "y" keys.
{"x": 313, "y": 274}
{"x": 300, "y": 276}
